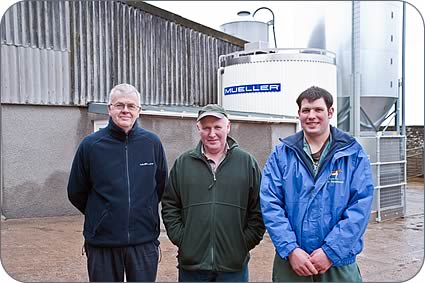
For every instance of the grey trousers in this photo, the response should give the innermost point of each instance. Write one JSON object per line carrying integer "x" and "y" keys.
{"x": 139, "y": 263}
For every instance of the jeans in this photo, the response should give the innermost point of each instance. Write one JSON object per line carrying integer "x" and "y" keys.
{"x": 213, "y": 276}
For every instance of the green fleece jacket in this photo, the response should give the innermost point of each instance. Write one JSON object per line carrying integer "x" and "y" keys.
{"x": 213, "y": 218}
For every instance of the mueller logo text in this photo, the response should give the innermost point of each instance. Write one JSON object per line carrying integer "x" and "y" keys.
{"x": 240, "y": 89}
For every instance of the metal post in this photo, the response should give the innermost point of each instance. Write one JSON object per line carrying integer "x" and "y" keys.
{"x": 355, "y": 61}
{"x": 405, "y": 174}
{"x": 397, "y": 109}
{"x": 1, "y": 170}
{"x": 220, "y": 93}
{"x": 403, "y": 52}
{"x": 403, "y": 105}
{"x": 378, "y": 177}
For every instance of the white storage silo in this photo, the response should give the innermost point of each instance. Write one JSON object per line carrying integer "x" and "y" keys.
{"x": 269, "y": 81}
{"x": 247, "y": 28}
{"x": 366, "y": 38}
{"x": 365, "y": 35}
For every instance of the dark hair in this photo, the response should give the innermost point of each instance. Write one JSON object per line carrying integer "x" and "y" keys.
{"x": 313, "y": 93}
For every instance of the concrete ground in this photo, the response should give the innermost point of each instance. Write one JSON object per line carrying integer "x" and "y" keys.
{"x": 49, "y": 249}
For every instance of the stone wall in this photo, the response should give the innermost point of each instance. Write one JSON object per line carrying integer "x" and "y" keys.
{"x": 415, "y": 151}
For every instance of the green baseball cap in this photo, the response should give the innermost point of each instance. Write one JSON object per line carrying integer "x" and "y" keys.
{"x": 212, "y": 110}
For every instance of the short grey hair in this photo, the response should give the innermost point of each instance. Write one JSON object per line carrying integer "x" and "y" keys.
{"x": 124, "y": 89}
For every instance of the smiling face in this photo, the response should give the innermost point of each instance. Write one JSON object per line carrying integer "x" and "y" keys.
{"x": 315, "y": 117}
{"x": 213, "y": 132}
{"x": 126, "y": 117}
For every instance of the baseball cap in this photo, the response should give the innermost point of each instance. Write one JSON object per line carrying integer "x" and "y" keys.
{"x": 212, "y": 110}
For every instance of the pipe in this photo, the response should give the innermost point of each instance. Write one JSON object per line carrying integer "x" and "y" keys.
{"x": 274, "y": 33}
{"x": 403, "y": 53}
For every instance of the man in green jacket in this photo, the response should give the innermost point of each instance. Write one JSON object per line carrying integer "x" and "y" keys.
{"x": 210, "y": 207}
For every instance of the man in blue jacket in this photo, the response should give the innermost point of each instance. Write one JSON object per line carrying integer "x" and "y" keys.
{"x": 117, "y": 179}
{"x": 316, "y": 197}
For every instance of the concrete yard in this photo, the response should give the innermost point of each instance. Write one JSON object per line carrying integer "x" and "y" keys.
{"x": 49, "y": 249}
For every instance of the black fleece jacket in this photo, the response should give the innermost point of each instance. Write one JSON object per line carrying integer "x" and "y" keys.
{"x": 116, "y": 181}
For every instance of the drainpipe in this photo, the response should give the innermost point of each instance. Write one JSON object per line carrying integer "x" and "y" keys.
{"x": 403, "y": 95}
{"x": 403, "y": 52}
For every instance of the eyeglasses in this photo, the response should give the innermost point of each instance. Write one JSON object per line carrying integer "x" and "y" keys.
{"x": 121, "y": 106}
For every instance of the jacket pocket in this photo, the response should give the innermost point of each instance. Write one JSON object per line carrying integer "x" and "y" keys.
{"x": 195, "y": 239}
{"x": 93, "y": 220}
{"x": 230, "y": 240}
{"x": 145, "y": 220}
{"x": 100, "y": 220}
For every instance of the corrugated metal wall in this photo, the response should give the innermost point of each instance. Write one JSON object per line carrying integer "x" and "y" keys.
{"x": 73, "y": 52}
{"x": 35, "y": 67}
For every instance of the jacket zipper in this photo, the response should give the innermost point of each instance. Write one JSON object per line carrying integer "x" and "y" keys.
{"x": 319, "y": 171}
{"x": 213, "y": 210}
{"x": 128, "y": 187}
{"x": 213, "y": 206}
{"x": 212, "y": 222}
{"x": 210, "y": 187}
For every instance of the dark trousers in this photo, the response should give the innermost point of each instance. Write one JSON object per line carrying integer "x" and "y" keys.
{"x": 212, "y": 276}
{"x": 282, "y": 272}
{"x": 138, "y": 263}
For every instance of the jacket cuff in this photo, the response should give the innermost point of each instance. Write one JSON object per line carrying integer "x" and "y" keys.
{"x": 330, "y": 253}
{"x": 284, "y": 253}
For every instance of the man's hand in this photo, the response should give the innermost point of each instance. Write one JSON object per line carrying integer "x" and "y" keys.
{"x": 320, "y": 260}
{"x": 300, "y": 262}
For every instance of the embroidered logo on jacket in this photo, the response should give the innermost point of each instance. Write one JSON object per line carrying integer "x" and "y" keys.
{"x": 146, "y": 164}
{"x": 334, "y": 177}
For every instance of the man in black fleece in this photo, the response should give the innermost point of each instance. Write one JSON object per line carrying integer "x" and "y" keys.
{"x": 117, "y": 179}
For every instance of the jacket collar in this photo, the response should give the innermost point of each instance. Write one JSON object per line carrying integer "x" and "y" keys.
{"x": 119, "y": 133}
{"x": 339, "y": 139}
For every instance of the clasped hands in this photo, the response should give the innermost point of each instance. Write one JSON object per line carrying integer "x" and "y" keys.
{"x": 305, "y": 264}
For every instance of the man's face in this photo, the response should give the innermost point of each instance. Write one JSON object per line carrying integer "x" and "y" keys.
{"x": 125, "y": 117}
{"x": 315, "y": 117}
{"x": 213, "y": 132}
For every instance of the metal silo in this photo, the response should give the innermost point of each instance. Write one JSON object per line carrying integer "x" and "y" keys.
{"x": 269, "y": 81}
{"x": 366, "y": 37}
{"x": 247, "y": 28}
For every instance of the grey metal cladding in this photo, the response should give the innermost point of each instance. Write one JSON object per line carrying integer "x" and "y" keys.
{"x": 37, "y": 24}
{"x": 73, "y": 52}
{"x": 34, "y": 50}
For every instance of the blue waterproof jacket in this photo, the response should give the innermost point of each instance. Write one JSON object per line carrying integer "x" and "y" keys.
{"x": 117, "y": 181}
{"x": 329, "y": 211}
